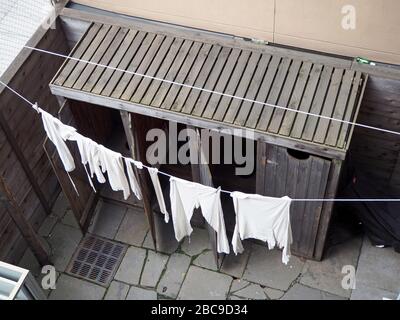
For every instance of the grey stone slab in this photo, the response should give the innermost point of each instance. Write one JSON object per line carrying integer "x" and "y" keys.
{"x": 47, "y": 226}
{"x": 378, "y": 268}
{"x": 60, "y": 206}
{"x": 173, "y": 276}
{"x": 29, "y": 262}
{"x": 326, "y": 275}
{"x": 136, "y": 293}
{"x": 234, "y": 265}
{"x": 252, "y": 291}
{"x": 265, "y": 267}
{"x": 233, "y": 297}
{"x": 70, "y": 288}
{"x": 364, "y": 292}
{"x": 273, "y": 294}
{"x": 166, "y": 241}
{"x": 238, "y": 284}
{"x": 117, "y": 291}
{"x": 70, "y": 220}
{"x": 202, "y": 284}
{"x": 300, "y": 292}
{"x": 63, "y": 241}
{"x": 196, "y": 243}
{"x": 131, "y": 266}
{"x": 154, "y": 266}
{"x": 206, "y": 260}
{"x": 107, "y": 220}
{"x": 133, "y": 228}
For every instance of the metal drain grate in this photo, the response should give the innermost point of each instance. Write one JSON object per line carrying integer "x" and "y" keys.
{"x": 96, "y": 259}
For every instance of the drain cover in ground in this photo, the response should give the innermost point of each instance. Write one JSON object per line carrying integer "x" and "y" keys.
{"x": 96, "y": 259}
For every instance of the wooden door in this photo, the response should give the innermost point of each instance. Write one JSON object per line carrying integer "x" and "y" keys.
{"x": 298, "y": 175}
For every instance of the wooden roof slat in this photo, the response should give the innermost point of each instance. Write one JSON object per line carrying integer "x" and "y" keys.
{"x": 156, "y": 53}
{"x": 106, "y": 60}
{"x": 225, "y": 101}
{"x": 196, "y": 61}
{"x": 332, "y": 132}
{"x": 87, "y": 56}
{"x": 274, "y": 94}
{"x": 283, "y": 77}
{"x": 78, "y": 52}
{"x": 118, "y": 88}
{"x": 100, "y": 57}
{"x": 164, "y": 56}
{"x": 220, "y": 84}
{"x": 296, "y": 98}
{"x": 148, "y": 87}
{"x": 303, "y": 120}
{"x": 254, "y": 87}
{"x": 172, "y": 74}
{"x": 242, "y": 87}
{"x": 324, "y": 108}
{"x": 285, "y": 96}
{"x": 269, "y": 77}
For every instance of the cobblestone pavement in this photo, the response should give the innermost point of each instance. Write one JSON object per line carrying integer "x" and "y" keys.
{"x": 188, "y": 270}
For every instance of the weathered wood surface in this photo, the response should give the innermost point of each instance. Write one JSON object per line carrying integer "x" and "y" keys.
{"x": 281, "y": 77}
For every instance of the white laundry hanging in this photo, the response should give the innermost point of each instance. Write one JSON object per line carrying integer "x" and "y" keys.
{"x": 132, "y": 178}
{"x": 58, "y": 133}
{"x": 263, "y": 218}
{"x": 187, "y": 196}
{"x": 159, "y": 194}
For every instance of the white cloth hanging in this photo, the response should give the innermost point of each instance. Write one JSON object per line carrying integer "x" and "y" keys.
{"x": 159, "y": 194}
{"x": 187, "y": 196}
{"x": 132, "y": 178}
{"x": 263, "y": 218}
{"x": 58, "y": 133}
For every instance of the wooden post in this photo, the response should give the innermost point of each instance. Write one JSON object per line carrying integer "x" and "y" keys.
{"x": 133, "y": 143}
{"x": 201, "y": 173}
{"x": 35, "y": 242}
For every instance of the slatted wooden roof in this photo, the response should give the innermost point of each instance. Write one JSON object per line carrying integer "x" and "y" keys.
{"x": 286, "y": 78}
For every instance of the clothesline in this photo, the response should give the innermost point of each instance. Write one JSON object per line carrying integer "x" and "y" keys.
{"x": 38, "y": 109}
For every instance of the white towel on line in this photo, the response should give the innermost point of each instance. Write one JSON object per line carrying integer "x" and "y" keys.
{"x": 159, "y": 194}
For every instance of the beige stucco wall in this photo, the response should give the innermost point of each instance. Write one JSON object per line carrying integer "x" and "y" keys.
{"x": 311, "y": 24}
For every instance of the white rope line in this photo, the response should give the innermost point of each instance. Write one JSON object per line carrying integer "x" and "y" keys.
{"x": 34, "y": 105}
{"x": 212, "y": 91}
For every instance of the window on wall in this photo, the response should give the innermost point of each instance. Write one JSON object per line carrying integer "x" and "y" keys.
{"x": 19, "y": 20}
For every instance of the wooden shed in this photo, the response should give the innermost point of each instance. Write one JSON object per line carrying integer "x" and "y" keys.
{"x": 297, "y": 154}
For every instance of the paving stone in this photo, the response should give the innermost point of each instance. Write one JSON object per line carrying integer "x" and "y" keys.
{"x": 326, "y": 275}
{"x": 265, "y": 267}
{"x": 172, "y": 278}
{"x": 364, "y": 292}
{"x": 206, "y": 260}
{"x": 196, "y": 243}
{"x": 252, "y": 291}
{"x": 60, "y": 206}
{"x": 131, "y": 266}
{"x": 154, "y": 266}
{"x": 234, "y": 265}
{"x": 238, "y": 284}
{"x": 133, "y": 228}
{"x": 63, "y": 241}
{"x": 70, "y": 288}
{"x": 107, "y": 221}
{"x": 202, "y": 284}
{"x": 300, "y": 292}
{"x": 70, "y": 220}
{"x": 273, "y": 294}
{"x": 136, "y": 293}
{"x": 378, "y": 268}
{"x": 117, "y": 291}
{"x": 232, "y": 297}
{"x": 166, "y": 241}
{"x": 29, "y": 262}
{"x": 47, "y": 226}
